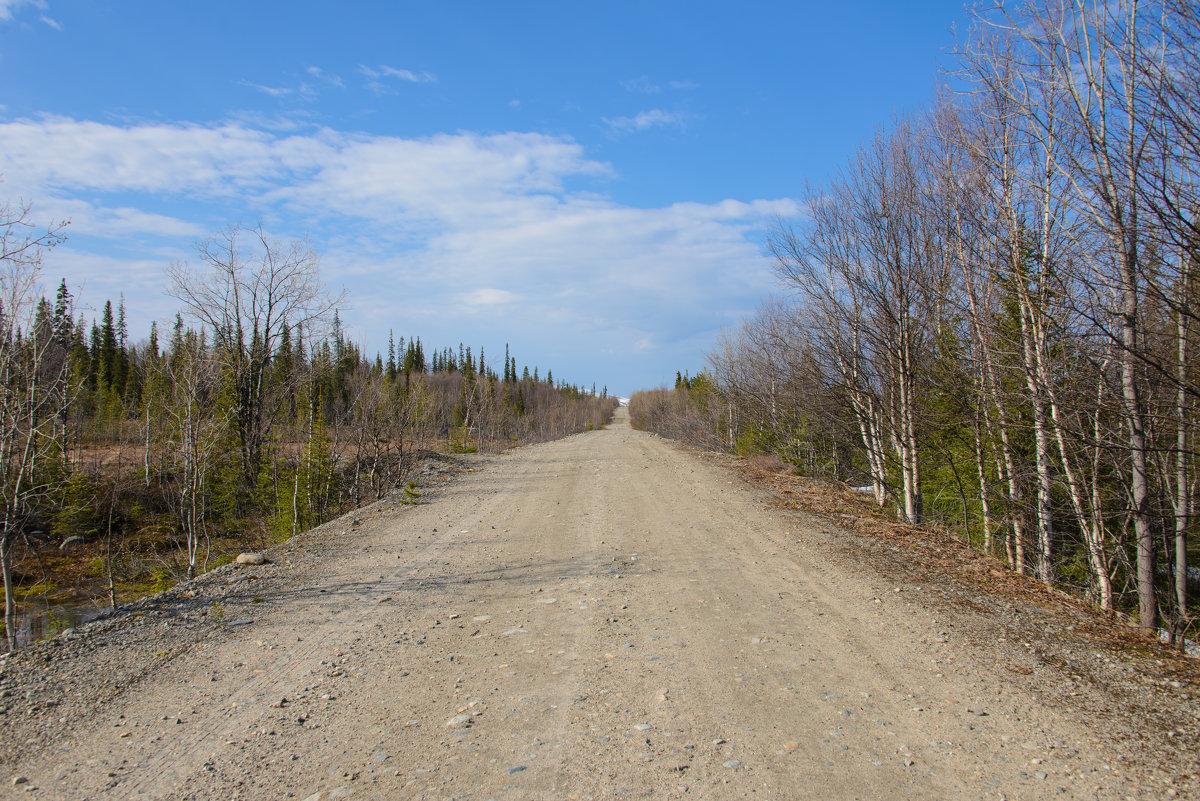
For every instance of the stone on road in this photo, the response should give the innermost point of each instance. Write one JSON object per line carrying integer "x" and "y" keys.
{"x": 602, "y": 616}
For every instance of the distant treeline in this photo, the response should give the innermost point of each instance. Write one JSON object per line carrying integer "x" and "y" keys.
{"x": 994, "y": 314}
{"x": 252, "y": 418}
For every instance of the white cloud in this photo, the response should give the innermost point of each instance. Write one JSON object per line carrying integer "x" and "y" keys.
{"x": 445, "y": 234}
{"x": 115, "y": 223}
{"x": 654, "y": 118}
{"x": 488, "y": 297}
{"x": 62, "y": 153}
{"x": 7, "y": 7}
{"x": 53, "y": 23}
{"x": 445, "y": 180}
{"x": 94, "y": 278}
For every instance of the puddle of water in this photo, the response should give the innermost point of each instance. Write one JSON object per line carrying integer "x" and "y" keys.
{"x": 39, "y": 621}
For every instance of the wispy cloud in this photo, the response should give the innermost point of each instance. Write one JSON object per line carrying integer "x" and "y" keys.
{"x": 641, "y": 85}
{"x": 287, "y": 121}
{"x": 318, "y": 74}
{"x": 377, "y": 77}
{"x": 8, "y": 7}
{"x": 308, "y": 87}
{"x": 273, "y": 91}
{"x": 644, "y": 121}
{"x": 407, "y": 75}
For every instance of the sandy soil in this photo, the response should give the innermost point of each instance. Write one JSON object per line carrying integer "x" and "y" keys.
{"x": 603, "y": 616}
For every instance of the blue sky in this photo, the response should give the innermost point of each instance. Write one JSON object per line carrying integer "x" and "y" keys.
{"x": 589, "y": 182}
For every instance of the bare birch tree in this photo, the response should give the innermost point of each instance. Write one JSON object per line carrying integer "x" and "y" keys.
{"x": 248, "y": 298}
{"x": 1089, "y": 52}
{"x": 197, "y": 424}
{"x": 866, "y": 266}
{"x": 33, "y": 381}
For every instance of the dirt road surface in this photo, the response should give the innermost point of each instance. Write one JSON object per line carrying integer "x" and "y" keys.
{"x": 607, "y": 616}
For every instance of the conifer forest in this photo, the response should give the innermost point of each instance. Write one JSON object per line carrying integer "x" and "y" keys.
{"x": 990, "y": 319}
{"x": 133, "y": 461}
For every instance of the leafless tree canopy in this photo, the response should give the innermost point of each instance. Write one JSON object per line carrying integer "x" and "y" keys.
{"x": 250, "y": 296}
{"x": 993, "y": 307}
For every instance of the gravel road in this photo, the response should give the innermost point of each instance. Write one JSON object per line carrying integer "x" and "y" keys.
{"x": 603, "y": 616}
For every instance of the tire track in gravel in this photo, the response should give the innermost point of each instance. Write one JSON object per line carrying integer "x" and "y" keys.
{"x": 601, "y": 617}
{"x": 184, "y": 755}
{"x": 164, "y": 763}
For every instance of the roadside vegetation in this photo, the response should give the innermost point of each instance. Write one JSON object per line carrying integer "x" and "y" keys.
{"x": 130, "y": 465}
{"x": 991, "y": 320}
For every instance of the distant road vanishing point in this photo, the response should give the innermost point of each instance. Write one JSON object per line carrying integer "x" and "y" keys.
{"x": 605, "y": 616}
